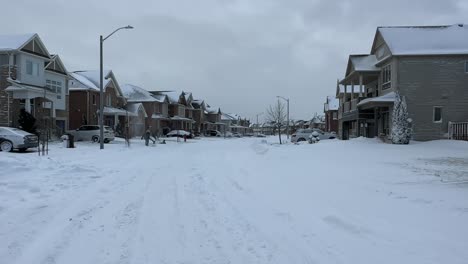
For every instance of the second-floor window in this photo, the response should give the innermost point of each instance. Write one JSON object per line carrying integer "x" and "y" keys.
{"x": 387, "y": 76}
{"x": 109, "y": 100}
{"x": 32, "y": 68}
{"x": 466, "y": 66}
{"x": 55, "y": 86}
{"x": 335, "y": 115}
{"x": 94, "y": 99}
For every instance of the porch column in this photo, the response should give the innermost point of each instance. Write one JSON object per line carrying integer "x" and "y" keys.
{"x": 352, "y": 90}
{"x": 53, "y": 110}
{"x": 27, "y": 105}
{"x": 344, "y": 97}
{"x": 116, "y": 121}
{"x": 360, "y": 85}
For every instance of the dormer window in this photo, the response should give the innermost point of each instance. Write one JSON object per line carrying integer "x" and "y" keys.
{"x": 387, "y": 76}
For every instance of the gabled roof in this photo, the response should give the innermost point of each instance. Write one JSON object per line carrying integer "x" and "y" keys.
{"x": 212, "y": 110}
{"x": 134, "y": 108}
{"x": 425, "y": 40}
{"x": 134, "y": 93}
{"x": 198, "y": 104}
{"x": 364, "y": 63}
{"x": 56, "y": 65}
{"x": 16, "y": 42}
{"x": 91, "y": 80}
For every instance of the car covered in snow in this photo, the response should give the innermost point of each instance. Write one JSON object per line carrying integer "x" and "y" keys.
{"x": 91, "y": 133}
{"x": 14, "y": 138}
{"x": 179, "y": 133}
{"x": 213, "y": 133}
{"x": 305, "y": 134}
{"x": 237, "y": 134}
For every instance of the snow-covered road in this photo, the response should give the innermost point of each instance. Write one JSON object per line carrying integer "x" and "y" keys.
{"x": 236, "y": 201}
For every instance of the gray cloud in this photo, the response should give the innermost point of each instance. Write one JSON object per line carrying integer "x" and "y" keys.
{"x": 236, "y": 54}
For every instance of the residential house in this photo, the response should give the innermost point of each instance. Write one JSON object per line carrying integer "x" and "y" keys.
{"x": 85, "y": 100}
{"x": 32, "y": 79}
{"x": 427, "y": 65}
{"x": 235, "y": 124}
{"x": 198, "y": 114}
{"x": 156, "y": 108}
{"x": 330, "y": 108}
{"x": 212, "y": 119}
{"x": 179, "y": 118}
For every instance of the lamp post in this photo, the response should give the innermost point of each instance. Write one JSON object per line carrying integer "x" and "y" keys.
{"x": 287, "y": 127}
{"x": 258, "y": 125}
{"x": 101, "y": 88}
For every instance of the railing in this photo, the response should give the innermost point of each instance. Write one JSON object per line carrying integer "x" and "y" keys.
{"x": 458, "y": 130}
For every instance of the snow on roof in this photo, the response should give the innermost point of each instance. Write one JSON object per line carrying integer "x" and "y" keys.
{"x": 134, "y": 93}
{"x": 14, "y": 41}
{"x": 332, "y": 104}
{"x": 432, "y": 40}
{"x": 211, "y": 110}
{"x": 80, "y": 82}
{"x": 134, "y": 108}
{"x": 94, "y": 76}
{"x": 387, "y": 98}
{"x": 172, "y": 96}
{"x": 364, "y": 62}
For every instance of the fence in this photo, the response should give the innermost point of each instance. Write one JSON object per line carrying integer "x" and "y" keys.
{"x": 458, "y": 130}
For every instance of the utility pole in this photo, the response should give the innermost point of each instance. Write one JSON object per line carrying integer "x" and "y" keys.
{"x": 101, "y": 86}
{"x": 258, "y": 125}
{"x": 287, "y": 125}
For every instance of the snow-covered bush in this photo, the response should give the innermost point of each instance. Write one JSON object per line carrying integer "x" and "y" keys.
{"x": 401, "y": 124}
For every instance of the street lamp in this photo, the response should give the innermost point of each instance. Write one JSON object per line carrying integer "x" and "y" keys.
{"x": 258, "y": 125}
{"x": 287, "y": 101}
{"x": 101, "y": 88}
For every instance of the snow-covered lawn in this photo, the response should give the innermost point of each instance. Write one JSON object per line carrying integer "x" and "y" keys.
{"x": 236, "y": 201}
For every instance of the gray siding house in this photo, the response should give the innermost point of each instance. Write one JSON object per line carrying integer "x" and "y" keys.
{"x": 428, "y": 65}
{"x": 32, "y": 79}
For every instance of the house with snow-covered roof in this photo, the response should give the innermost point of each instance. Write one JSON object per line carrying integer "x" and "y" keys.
{"x": 235, "y": 123}
{"x": 179, "y": 110}
{"x": 84, "y": 87}
{"x": 34, "y": 80}
{"x": 330, "y": 109}
{"x": 156, "y": 107}
{"x": 427, "y": 65}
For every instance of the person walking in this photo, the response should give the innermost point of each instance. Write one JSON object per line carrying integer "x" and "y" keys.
{"x": 147, "y": 137}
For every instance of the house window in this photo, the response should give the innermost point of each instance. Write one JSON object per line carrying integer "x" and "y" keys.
{"x": 466, "y": 66}
{"x": 32, "y": 68}
{"x": 109, "y": 100}
{"x": 94, "y": 99}
{"x": 387, "y": 76}
{"x": 335, "y": 116}
{"x": 55, "y": 86}
{"x": 437, "y": 114}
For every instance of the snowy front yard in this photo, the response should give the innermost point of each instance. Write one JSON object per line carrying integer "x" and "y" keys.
{"x": 236, "y": 201}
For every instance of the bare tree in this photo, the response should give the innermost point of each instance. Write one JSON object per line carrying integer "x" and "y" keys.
{"x": 276, "y": 115}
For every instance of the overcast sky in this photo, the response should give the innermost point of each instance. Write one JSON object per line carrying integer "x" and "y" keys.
{"x": 235, "y": 54}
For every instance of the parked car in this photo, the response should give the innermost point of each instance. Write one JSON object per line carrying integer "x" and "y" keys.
{"x": 180, "y": 134}
{"x": 304, "y": 134}
{"x": 228, "y": 134}
{"x": 14, "y": 138}
{"x": 91, "y": 133}
{"x": 213, "y": 133}
{"x": 260, "y": 135}
{"x": 237, "y": 134}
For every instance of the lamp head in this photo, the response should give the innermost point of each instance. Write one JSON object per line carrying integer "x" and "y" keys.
{"x": 128, "y": 27}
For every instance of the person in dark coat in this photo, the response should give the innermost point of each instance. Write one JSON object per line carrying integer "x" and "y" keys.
{"x": 147, "y": 137}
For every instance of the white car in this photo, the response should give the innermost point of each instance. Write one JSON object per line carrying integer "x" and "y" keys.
{"x": 304, "y": 134}
{"x": 91, "y": 133}
{"x": 14, "y": 138}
